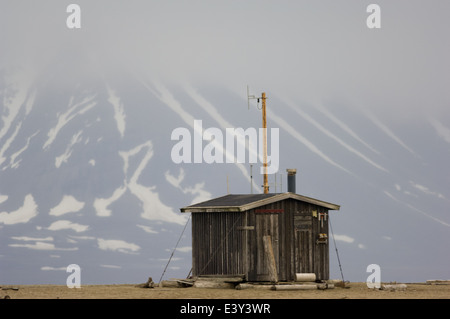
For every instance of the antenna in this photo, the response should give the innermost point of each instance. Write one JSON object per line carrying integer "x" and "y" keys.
{"x": 264, "y": 123}
{"x": 276, "y": 184}
{"x": 249, "y": 97}
{"x": 251, "y": 178}
{"x": 252, "y": 97}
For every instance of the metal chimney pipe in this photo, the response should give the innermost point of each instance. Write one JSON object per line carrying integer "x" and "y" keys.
{"x": 291, "y": 179}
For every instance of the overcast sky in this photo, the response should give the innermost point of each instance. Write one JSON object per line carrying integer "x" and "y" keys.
{"x": 314, "y": 49}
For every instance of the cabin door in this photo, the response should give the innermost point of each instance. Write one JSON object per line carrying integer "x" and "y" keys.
{"x": 267, "y": 248}
{"x": 303, "y": 244}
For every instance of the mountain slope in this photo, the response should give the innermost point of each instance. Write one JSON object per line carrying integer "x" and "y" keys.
{"x": 87, "y": 177}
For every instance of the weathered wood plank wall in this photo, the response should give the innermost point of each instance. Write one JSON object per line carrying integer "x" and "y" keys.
{"x": 217, "y": 244}
{"x": 231, "y": 243}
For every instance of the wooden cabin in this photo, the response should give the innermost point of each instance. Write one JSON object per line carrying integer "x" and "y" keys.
{"x": 263, "y": 237}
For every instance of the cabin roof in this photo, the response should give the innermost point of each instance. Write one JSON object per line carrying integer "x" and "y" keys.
{"x": 244, "y": 202}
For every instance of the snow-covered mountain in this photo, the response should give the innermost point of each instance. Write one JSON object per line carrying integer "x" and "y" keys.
{"x": 87, "y": 178}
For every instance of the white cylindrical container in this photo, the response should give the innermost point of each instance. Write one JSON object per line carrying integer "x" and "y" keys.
{"x": 305, "y": 277}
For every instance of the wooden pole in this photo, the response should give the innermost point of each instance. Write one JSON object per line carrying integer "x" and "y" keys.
{"x": 295, "y": 287}
{"x": 268, "y": 249}
{"x": 264, "y": 123}
{"x": 242, "y": 286}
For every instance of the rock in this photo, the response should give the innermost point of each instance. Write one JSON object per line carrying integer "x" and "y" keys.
{"x": 148, "y": 284}
{"x": 395, "y": 287}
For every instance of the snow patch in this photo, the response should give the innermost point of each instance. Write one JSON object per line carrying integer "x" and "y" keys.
{"x": 119, "y": 113}
{"x": 175, "y": 181}
{"x": 21, "y": 215}
{"x": 343, "y": 126}
{"x": 185, "y": 249}
{"x": 25, "y": 238}
{"x": 76, "y": 138}
{"x": 344, "y": 238}
{"x": 147, "y": 229}
{"x": 328, "y": 133}
{"x": 416, "y": 209}
{"x": 198, "y": 190}
{"x": 313, "y": 148}
{"x": 68, "y": 204}
{"x": 30, "y": 101}
{"x": 389, "y": 133}
{"x": 36, "y": 246}
{"x": 111, "y": 266}
{"x": 153, "y": 207}
{"x": 66, "y": 224}
{"x": 49, "y": 268}
{"x": 14, "y": 95}
{"x": 42, "y": 246}
{"x": 441, "y": 130}
{"x": 426, "y": 190}
{"x": 117, "y": 245}
{"x": 15, "y": 164}
{"x": 3, "y": 198}
{"x": 101, "y": 204}
{"x": 7, "y": 144}
{"x": 74, "y": 109}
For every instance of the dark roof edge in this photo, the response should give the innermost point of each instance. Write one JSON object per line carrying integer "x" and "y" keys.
{"x": 258, "y": 203}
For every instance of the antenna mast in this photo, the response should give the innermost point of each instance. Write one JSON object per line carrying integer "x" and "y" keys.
{"x": 264, "y": 124}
